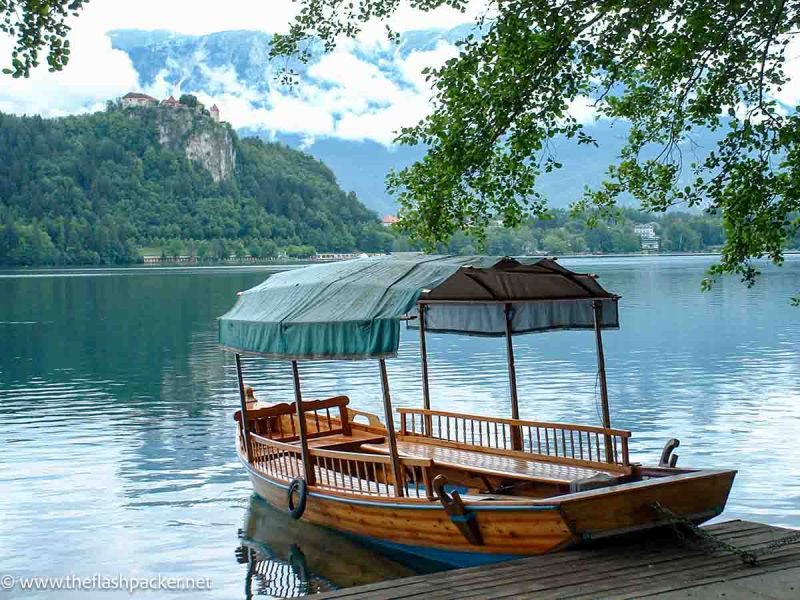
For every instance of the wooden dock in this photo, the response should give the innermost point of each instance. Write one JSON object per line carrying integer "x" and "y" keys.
{"x": 658, "y": 566}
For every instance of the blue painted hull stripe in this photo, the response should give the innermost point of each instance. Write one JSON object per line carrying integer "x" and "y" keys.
{"x": 463, "y": 518}
{"x": 453, "y": 558}
{"x": 431, "y": 506}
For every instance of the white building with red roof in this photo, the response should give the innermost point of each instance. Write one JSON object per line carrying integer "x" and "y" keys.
{"x": 214, "y": 110}
{"x": 171, "y": 102}
{"x": 136, "y": 99}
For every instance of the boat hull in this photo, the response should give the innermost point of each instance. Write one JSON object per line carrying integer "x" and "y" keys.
{"x": 509, "y": 529}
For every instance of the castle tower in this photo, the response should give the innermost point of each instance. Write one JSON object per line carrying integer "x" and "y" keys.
{"x": 214, "y": 110}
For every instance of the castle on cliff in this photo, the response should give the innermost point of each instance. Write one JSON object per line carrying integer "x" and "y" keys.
{"x": 139, "y": 100}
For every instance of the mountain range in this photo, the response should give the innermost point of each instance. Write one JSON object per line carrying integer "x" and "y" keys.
{"x": 345, "y": 106}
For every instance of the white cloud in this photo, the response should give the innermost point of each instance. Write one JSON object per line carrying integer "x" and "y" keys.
{"x": 355, "y": 83}
{"x": 205, "y": 16}
{"x": 342, "y": 96}
{"x": 408, "y": 19}
{"x": 789, "y": 95}
{"x": 583, "y": 110}
{"x": 95, "y": 74}
{"x": 416, "y": 61}
{"x": 383, "y": 124}
{"x": 190, "y": 16}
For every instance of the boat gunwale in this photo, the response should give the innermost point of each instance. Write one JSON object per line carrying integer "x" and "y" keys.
{"x": 552, "y": 503}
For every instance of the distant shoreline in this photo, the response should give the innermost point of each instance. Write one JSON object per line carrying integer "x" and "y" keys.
{"x": 659, "y": 254}
{"x": 284, "y": 265}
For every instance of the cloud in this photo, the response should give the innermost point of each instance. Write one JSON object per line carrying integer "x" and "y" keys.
{"x": 364, "y": 90}
{"x": 353, "y": 93}
{"x": 353, "y": 83}
{"x": 205, "y": 16}
{"x": 190, "y": 16}
{"x": 413, "y": 65}
{"x": 583, "y": 110}
{"x": 95, "y": 73}
{"x": 789, "y": 94}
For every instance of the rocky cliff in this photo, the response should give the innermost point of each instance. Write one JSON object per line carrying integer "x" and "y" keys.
{"x": 204, "y": 141}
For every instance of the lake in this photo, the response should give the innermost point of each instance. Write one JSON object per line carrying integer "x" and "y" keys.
{"x": 116, "y": 430}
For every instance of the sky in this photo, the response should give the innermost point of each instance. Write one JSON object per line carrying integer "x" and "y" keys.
{"x": 344, "y": 95}
{"x": 358, "y": 100}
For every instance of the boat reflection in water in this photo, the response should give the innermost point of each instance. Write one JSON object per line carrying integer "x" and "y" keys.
{"x": 287, "y": 558}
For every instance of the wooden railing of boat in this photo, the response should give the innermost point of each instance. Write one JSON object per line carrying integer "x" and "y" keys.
{"x": 343, "y": 472}
{"x": 549, "y": 442}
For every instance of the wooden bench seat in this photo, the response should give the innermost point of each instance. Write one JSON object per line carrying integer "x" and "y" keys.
{"x": 324, "y": 418}
{"x": 357, "y": 436}
{"x": 484, "y": 463}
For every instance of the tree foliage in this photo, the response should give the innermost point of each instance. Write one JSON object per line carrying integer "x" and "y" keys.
{"x": 37, "y": 27}
{"x": 94, "y": 188}
{"x": 667, "y": 67}
{"x": 559, "y": 233}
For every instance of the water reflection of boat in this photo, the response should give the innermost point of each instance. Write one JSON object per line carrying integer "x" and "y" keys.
{"x": 456, "y": 488}
{"x": 287, "y": 558}
{"x": 275, "y": 578}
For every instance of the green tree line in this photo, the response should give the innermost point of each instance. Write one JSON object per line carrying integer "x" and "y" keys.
{"x": 559, "y": 233}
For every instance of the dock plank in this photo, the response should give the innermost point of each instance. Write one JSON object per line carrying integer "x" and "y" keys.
{"x": 654, "y": 566}
{"x": 604, "y": 565}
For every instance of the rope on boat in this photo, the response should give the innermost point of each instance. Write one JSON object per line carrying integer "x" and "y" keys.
{"x": 711, "y": 543}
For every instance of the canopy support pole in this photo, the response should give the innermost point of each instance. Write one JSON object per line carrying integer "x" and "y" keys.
{"x": 423, "y": 350}
{"x": 516, "y": 437}
{"x": 308, "y": 468}
{"x": 597, "y": 307}
{"x": 399, "y": 482}
{"x": 243, "y": 404}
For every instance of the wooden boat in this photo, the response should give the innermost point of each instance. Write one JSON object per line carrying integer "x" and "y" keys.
{"x": 453, "y": 488}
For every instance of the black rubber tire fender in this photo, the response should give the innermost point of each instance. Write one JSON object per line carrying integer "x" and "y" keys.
{"x": 296, "y": 510}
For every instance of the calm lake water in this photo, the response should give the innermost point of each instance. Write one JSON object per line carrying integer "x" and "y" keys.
{"x": 116, "y": 436}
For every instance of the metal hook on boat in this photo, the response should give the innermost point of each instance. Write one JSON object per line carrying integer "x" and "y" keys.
{"x": 460, "y": 516}
{"x": 667, "y": 458}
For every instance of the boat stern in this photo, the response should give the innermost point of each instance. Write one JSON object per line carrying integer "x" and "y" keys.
{"x": 696, "y": 496}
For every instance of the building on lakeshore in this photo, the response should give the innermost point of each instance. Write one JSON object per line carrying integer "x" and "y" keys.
{"x": 651, "y": 244}
{"x": 136, "y": 100}
{"x": 647, "y": 236}
{"x": 390, "y": 220}
{"x": 333, "y": 256}
{"x": 645, "y": 230}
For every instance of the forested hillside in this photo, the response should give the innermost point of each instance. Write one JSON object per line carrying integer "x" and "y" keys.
{"x": 93, "y": 189}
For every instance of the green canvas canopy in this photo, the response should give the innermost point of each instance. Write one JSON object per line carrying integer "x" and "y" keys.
{"x": 353, "y": 309}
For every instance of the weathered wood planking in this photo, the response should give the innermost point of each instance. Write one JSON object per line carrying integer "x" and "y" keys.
{"x": 655, "y": 566}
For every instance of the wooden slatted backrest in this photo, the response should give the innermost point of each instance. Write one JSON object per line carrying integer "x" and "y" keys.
{"x": 279, "y": 421}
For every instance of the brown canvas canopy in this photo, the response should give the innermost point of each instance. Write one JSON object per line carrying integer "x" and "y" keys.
{"x": 540, "y": 295}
